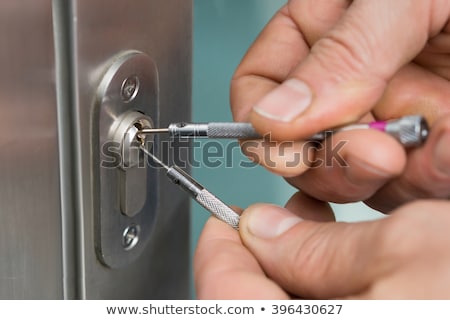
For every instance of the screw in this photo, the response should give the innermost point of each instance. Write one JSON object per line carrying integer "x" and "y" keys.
{"x": 130, "y": 237}
{"x": 130, "y": 88}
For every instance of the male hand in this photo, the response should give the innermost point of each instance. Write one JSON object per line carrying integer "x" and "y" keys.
{"x": 317, "y": 65}
{"x": 294, "y": 253}
{"x": 323, "y": 63}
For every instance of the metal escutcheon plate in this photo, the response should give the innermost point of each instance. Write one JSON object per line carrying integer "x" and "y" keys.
{"x": 130, "y": 84}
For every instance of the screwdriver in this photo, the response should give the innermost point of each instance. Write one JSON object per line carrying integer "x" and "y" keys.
{"x": 203, "y": 197}
{"x": 410, "y": 131}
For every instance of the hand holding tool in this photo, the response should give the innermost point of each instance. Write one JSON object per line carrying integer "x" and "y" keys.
{"x": 203, "y": 197}
{"x": 409, "y": 130}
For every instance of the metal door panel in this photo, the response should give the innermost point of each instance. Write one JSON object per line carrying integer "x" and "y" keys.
{"x": 100, "y": 30}
{"x": 30, "y": 215}
{"x": 52, "y": 56}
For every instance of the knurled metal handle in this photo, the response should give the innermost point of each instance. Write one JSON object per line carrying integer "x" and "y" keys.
{"x": 218, "y": 209}
{"x": 232, "y": 130}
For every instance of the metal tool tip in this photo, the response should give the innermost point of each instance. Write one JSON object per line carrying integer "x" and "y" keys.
{"x": 154, "y": 158}
{"x": 153, "y": 130}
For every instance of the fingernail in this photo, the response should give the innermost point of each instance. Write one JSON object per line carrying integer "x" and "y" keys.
{"x": 270, "y": 222}
{"x": 286, "y": 102}
{"x": 442, "y": 154}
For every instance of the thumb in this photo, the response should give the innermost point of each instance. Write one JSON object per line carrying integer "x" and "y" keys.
{"x": 311, "y": 259}
{"x": 347, "y": 70}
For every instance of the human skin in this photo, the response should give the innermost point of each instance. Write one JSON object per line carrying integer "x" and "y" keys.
{"x": 343, "y": 46}
{"x": 359, "y": 60}
{"x": 278, "y": 255}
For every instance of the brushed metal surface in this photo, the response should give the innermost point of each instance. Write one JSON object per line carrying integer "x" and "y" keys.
{"x": 162, "y": 29}
{"x": 51, "y": 57}
{"x": 31, "y": 264}
{"x": 127, "y": 189}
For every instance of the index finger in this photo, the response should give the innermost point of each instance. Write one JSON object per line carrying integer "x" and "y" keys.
{"x": 268, "y": 62}
{"x": 280, "y": 47}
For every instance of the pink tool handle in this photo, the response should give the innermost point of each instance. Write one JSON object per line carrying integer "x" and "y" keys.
{"x": 378, "y": 125}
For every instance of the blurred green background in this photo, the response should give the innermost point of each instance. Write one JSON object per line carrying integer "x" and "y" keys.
{"x": 223, "y": 31}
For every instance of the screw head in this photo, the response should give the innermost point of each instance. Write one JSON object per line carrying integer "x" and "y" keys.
{"x": 130, "y": 88}
{"x": 130, "y": 237}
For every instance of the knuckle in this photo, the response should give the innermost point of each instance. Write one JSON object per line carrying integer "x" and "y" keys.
{"x": 336, "y": 52}
{"x": 348, "y": 51}
{"x": 310, "y": 261}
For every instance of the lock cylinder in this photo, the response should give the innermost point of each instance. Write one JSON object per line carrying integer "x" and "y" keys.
{"x": 133, "y": 171}
{"x": 125, "y": 134}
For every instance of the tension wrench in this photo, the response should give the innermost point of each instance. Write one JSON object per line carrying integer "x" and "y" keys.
{"x": 203, "y": 197}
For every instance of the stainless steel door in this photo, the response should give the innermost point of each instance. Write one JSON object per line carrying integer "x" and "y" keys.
{"x": 52, "y": 56}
